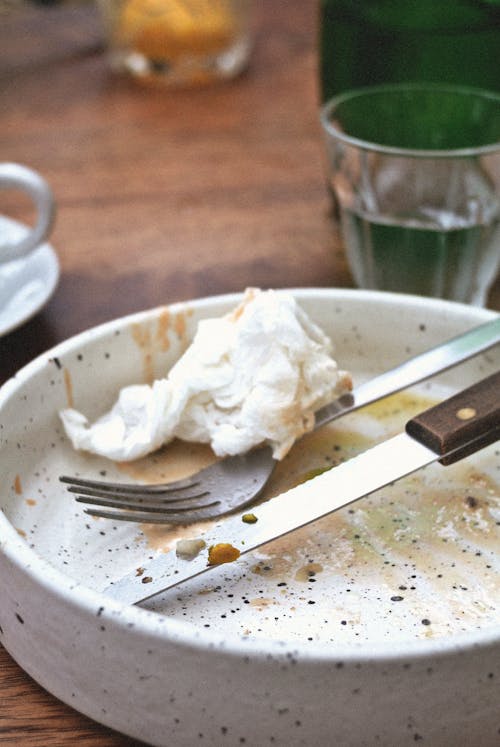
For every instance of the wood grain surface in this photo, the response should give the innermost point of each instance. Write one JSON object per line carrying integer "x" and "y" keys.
{"x": 162, "y": 196}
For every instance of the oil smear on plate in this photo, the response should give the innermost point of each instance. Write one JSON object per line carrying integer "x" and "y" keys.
{"x": 417, "y": 559}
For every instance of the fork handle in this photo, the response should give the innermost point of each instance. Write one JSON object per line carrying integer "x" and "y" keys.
{"x": 462, "y": 424}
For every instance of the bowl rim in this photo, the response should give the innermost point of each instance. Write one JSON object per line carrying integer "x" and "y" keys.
{"x": 159, "y": 626}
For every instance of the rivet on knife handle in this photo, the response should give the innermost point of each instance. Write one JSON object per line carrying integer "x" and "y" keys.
{"x": 462, "y": 424}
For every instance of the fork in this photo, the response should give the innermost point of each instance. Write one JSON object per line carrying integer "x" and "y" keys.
{"x": 236, "y": 481}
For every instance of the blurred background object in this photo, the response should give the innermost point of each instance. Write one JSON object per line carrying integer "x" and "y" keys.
{"x": 178, "y": 42}
{"x": 367, "y": 42}
{"x": 9, "y": 6}
{"x": 73, "y": 26}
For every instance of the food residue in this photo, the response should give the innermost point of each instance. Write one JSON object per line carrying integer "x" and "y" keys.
{"x": 188, "y": 549}
{"x": 249, "y": 518}
{"x": 223, "y": 552}
{"x": 69, "y": 387}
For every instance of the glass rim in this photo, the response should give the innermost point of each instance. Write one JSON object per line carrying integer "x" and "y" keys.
{"x": 367, "y": 145}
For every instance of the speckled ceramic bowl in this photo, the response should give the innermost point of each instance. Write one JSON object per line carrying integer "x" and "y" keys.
{"x": 376, "y": 626}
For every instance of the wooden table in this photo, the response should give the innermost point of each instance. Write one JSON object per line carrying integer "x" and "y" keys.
{"x": 162, "y": 196}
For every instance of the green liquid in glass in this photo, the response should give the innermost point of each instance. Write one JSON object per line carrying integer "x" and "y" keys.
{"x": 369, "y": 42}
{"x": 398, "y": 255}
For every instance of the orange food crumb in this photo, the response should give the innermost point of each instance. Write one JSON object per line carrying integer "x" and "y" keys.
{"x": 223, "y": 552}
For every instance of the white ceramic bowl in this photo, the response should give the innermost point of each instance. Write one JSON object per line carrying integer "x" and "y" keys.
{"x": 377, "y": 626}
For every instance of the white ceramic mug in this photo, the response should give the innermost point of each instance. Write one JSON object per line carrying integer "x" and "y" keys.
{"x": 12, "y": 245}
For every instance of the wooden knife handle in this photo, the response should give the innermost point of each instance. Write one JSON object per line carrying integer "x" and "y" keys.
{"x": 463, "y": 424}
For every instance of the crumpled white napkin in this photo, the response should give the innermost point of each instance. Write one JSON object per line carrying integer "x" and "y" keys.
{"x": 254, "y": 375}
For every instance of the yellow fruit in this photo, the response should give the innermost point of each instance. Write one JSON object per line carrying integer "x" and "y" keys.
{"x": 169, "y": 29}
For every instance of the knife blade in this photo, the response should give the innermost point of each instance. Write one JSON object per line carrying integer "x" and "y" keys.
{"x": 416, "y": 369}
{"x": 447, "y": 432}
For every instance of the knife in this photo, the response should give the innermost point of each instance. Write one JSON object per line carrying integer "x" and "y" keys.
{"x": 447, "y": 432}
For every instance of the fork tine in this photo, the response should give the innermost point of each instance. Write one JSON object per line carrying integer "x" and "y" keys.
{"x": 124, "y": 487}
{"x": 145, "y": 495}
{"x": 216, "y": 490}
{"x": 145, "y": 505}
{"x": 152, "y": 518}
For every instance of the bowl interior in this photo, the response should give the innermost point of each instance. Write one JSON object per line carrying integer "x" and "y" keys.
{"x": 414, "y": 561}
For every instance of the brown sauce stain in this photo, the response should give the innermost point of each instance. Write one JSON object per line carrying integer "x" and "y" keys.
{"x": 175, "y": 461}
{"x": 207, "y": 590}
{"x": 141, "y": 334}
{"x": 163, "y": 329}
{"x": 238, "y": 311}
{"x": 308, "y": 571}
{"x": 18, "y": 489}
{"x": 68, "y": 384}
{"x": 261, "y": 602}
{"x": 180, "y": 325}
{"x": 236, "y": 314}
{"x": 149, "y": 341}
{"x": 30, "y": 502}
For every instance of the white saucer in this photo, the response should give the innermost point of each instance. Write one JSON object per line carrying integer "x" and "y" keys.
{"x": 25, "y": 284}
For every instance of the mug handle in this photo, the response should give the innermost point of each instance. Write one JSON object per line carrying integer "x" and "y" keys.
{"x": 13, "y": 175}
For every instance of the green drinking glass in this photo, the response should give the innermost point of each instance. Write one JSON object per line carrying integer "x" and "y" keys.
{"x": 415, "y": 169}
